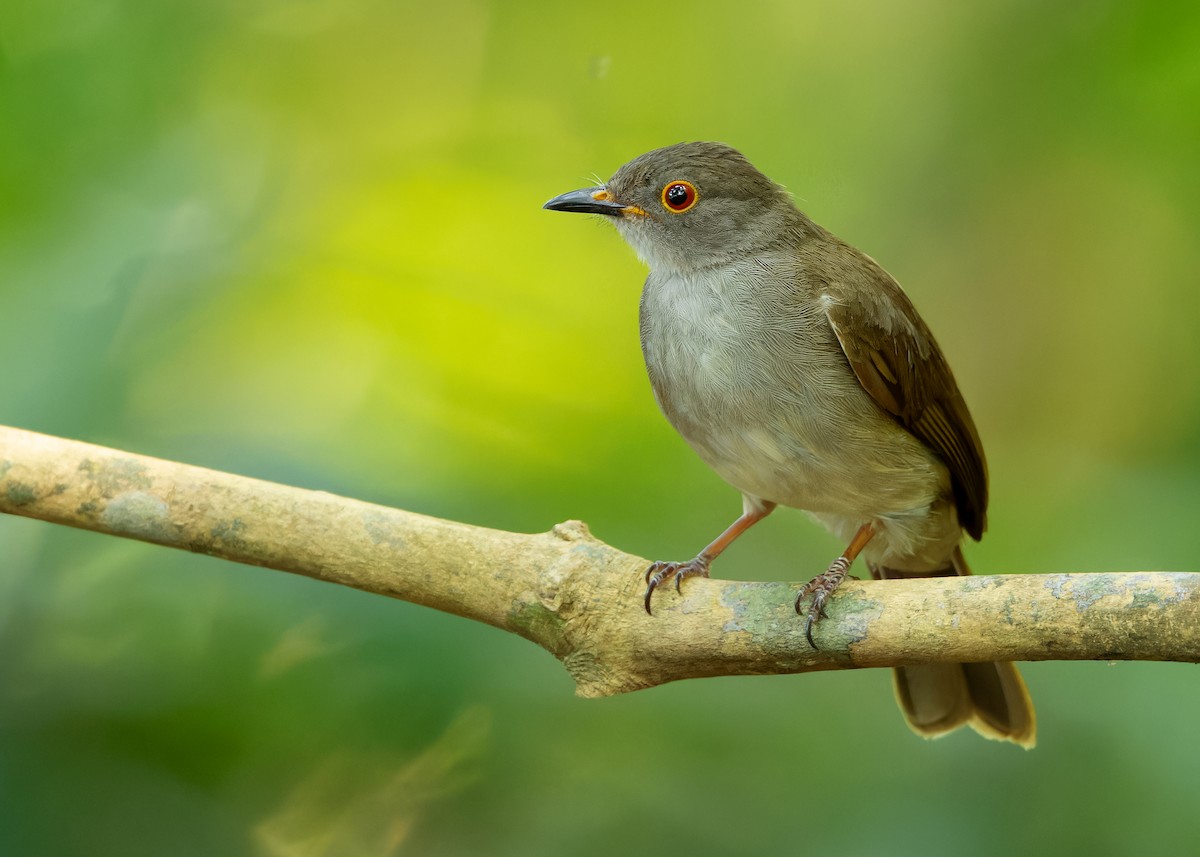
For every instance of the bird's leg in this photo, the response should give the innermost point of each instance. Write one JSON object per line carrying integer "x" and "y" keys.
{"x": 824, "y": 584}
{"x": 660, "y": 572}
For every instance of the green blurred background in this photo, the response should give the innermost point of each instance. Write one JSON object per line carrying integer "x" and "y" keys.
{"x": 303, "y": 241}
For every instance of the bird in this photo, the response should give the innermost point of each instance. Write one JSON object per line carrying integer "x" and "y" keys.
{"x": 800, "y": 372}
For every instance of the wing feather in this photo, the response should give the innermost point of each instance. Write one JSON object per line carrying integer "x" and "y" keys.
{"x": 898, "y": 362}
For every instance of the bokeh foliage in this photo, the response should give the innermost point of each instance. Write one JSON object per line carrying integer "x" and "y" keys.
{"x": 303, "y": 241}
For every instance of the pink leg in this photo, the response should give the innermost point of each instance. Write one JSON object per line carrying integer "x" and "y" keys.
{"x": 698, "y": 566}
{"x": 824, "y": 584}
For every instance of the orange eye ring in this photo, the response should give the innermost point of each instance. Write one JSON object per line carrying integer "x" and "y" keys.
{"x": 679, "y": 196}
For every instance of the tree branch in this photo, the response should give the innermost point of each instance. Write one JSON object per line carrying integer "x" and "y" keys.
{"x": 579, "y": 598}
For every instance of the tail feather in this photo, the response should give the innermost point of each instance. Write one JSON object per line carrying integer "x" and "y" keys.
{"x": 991, "y": 698}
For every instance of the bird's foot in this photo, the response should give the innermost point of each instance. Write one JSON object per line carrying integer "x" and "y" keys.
{"x": 820, "y": 588}
{"x": 663, "y": 572}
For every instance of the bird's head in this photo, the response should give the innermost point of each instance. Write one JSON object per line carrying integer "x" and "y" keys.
{"x": 690, "y": 206}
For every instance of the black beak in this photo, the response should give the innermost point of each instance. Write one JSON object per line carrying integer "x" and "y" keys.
{"x": 590, "y": 200}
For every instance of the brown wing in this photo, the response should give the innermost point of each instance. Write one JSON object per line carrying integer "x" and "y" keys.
{"x": 897, "y": 361}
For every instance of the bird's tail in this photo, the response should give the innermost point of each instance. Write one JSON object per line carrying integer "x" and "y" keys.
{"x": 938, "y": 698}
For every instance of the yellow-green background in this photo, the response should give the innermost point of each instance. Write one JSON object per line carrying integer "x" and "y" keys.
{"x": 303, "y": 241}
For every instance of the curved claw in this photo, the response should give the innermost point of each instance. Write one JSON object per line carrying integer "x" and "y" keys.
{"x": 816, "y": 612}
{"x": 655, "y": 575}
{"x": 808, "y": 626}
{"x": 660, "y": 571}
{"x": 652, "y": 585}
{"x": 820, "y": 588}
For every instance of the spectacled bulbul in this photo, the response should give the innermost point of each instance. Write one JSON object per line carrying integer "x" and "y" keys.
{"x": 799, "y": 371}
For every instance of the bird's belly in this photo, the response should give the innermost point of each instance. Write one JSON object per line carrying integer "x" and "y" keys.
{"x": 781, "y": 417}
{"x": 813, "y": 461}
{"x": 770, "y": 402}
{"x": 844, "y": 474}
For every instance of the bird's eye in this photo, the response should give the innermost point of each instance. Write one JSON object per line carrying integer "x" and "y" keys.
{"x": 678, "y": 197}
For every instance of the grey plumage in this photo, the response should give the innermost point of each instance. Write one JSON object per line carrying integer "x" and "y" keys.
{"x": 799, "y": 371}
